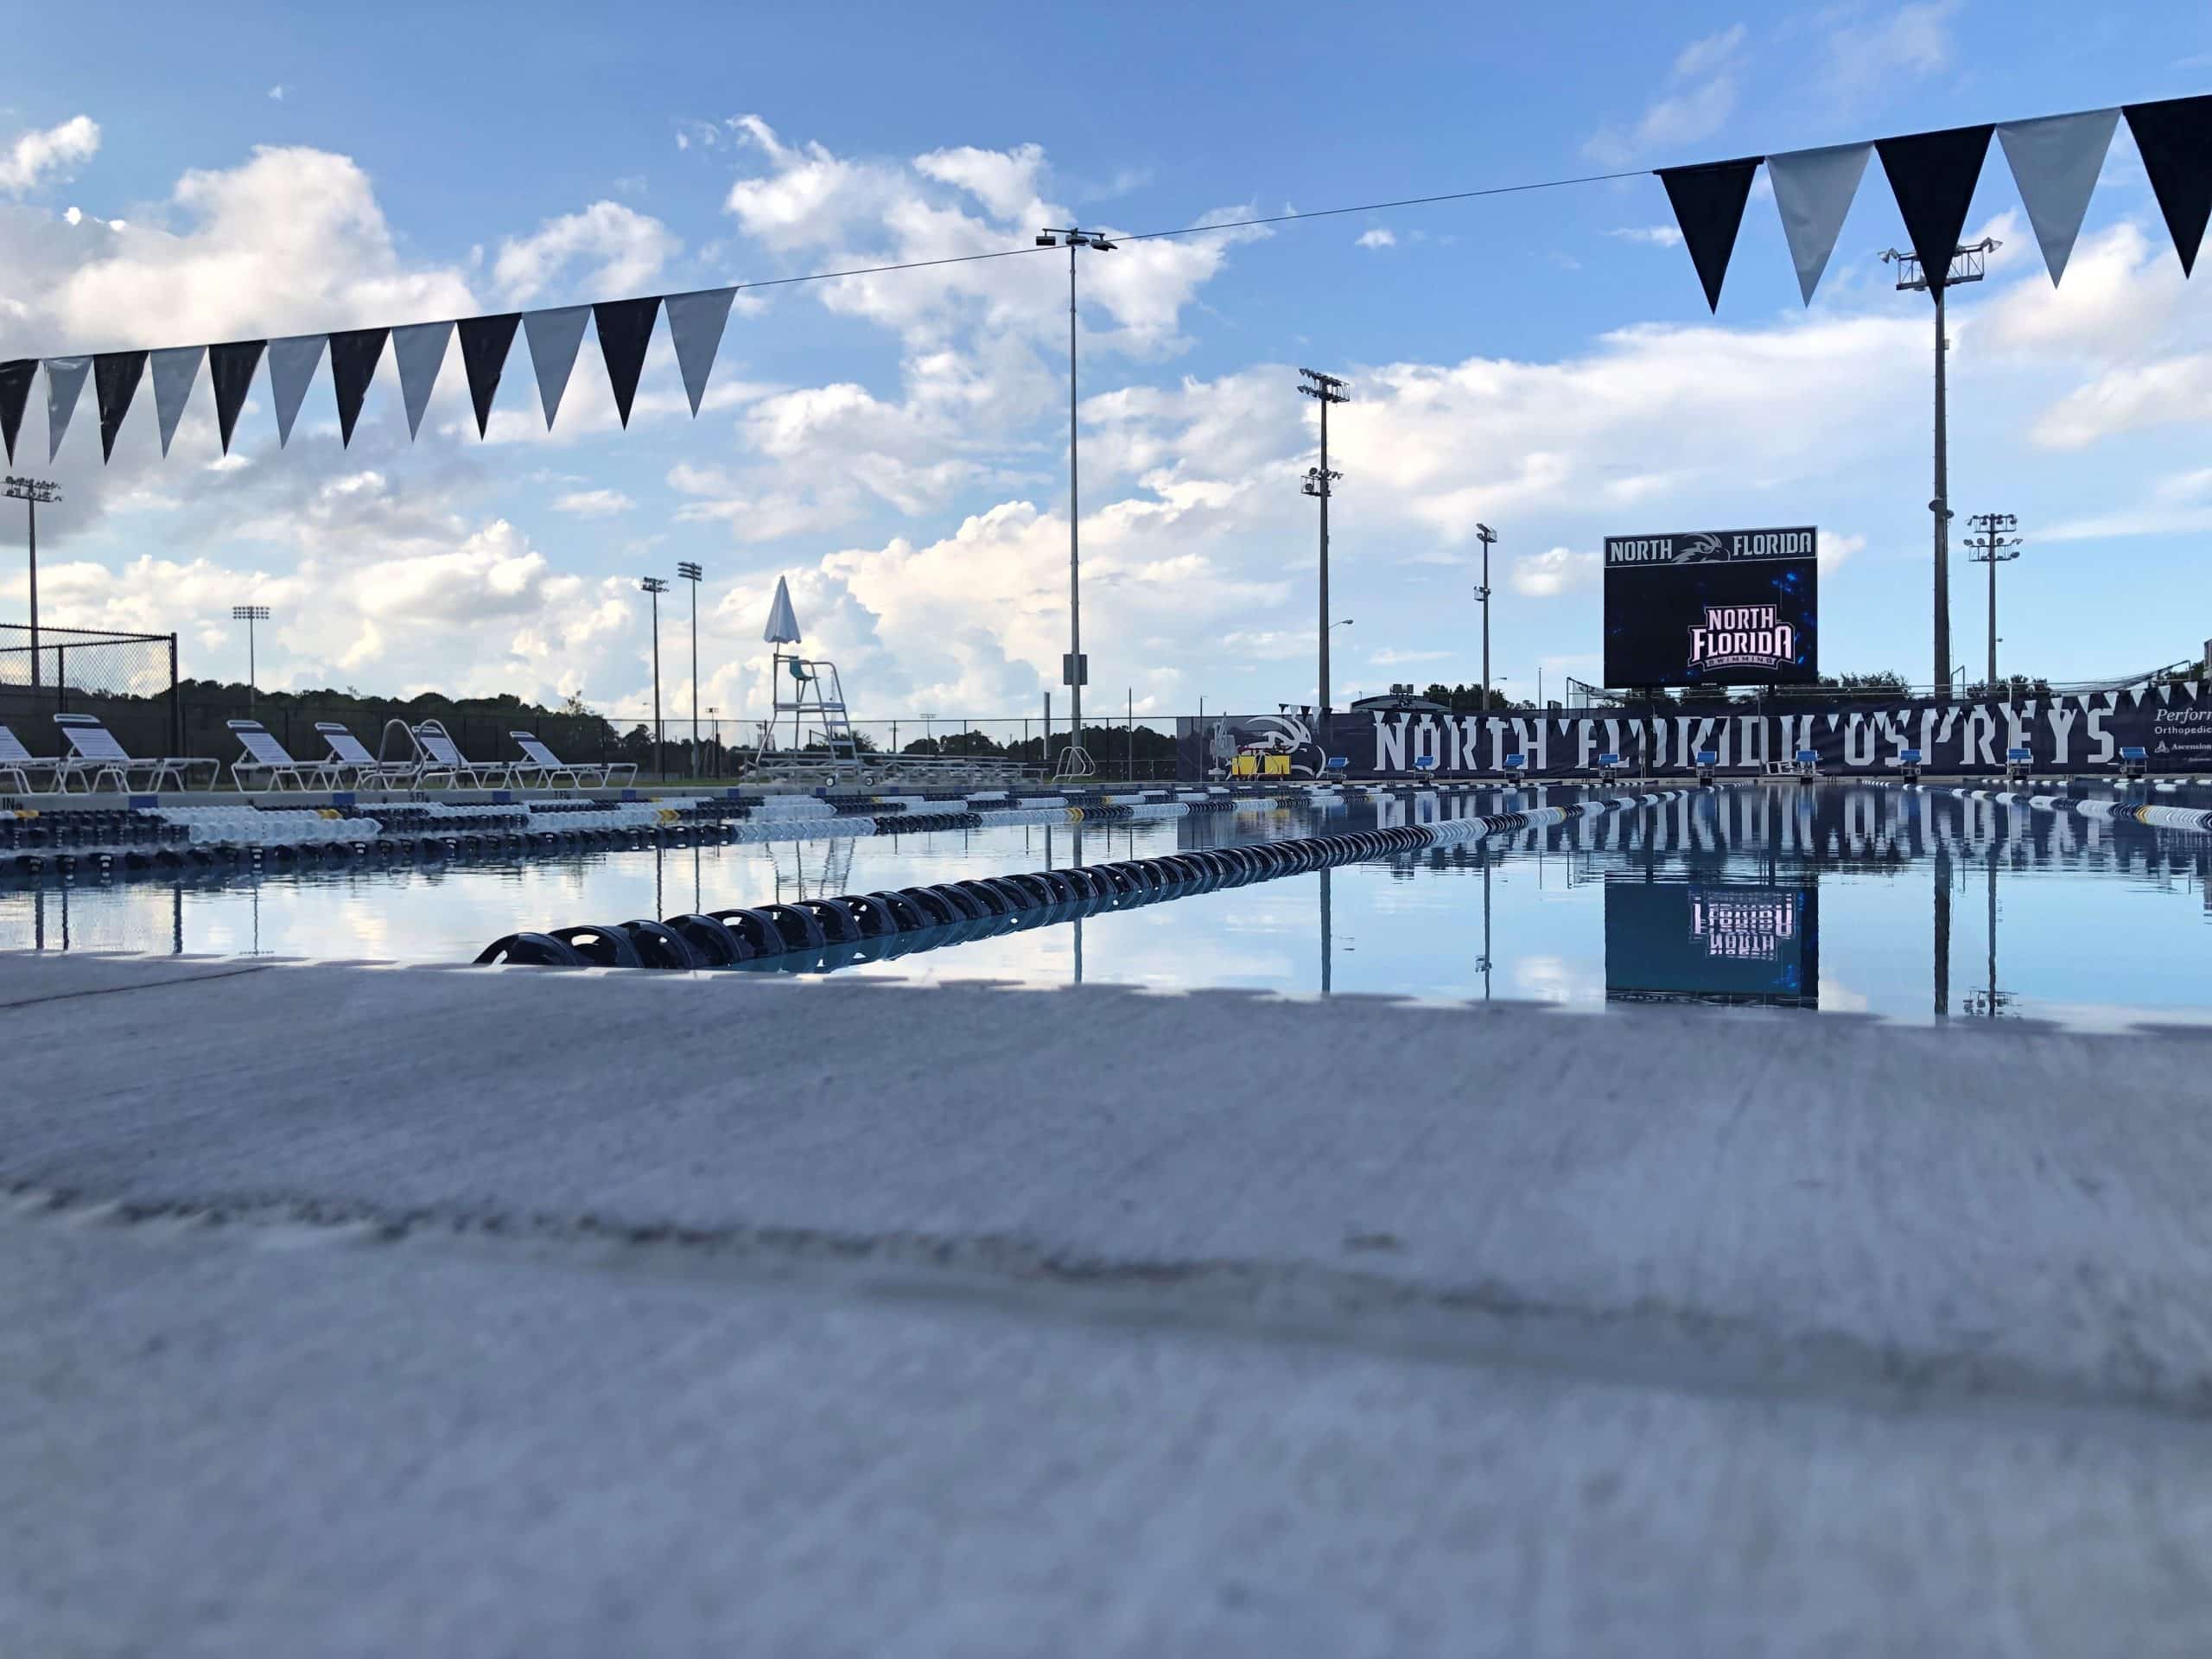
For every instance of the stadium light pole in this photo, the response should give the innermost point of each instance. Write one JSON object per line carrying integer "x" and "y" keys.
{"x": 657, "y": 586}
{"x": 1488, "y": 537}
{"x": 1996, "y": 546}
{"x": 249, "y": 614}
{"x": 690, "y": 573}
{"x": 30, "y": 492}
{"x": 1967, "y": 265}
{"x": 1074, "y": 763}
{"x": 1325, "y": 389}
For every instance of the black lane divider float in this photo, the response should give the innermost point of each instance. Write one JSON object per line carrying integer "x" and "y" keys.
{"x": 815, "y": 935}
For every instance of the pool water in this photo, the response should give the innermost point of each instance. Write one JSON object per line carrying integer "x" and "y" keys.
{"x": 1831, "y": 898}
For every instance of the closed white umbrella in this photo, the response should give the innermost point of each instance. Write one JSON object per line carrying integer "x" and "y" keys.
{"x": 783, "y": 622}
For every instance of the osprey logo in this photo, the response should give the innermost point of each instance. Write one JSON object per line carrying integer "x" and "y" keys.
{"x": 1697, "y": 550}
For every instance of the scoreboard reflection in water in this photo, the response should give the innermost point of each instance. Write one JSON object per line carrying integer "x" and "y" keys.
{"x": 1712, "y": 608}
{"x": 1711, "y": 941}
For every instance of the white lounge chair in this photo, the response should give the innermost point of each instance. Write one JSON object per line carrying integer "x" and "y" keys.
{"x": 540, "y": 762}
{"x": 18, "y": 764}
{"x": 268, "y": 759}
{"x": 443, "y": 758}
{"x": 349, "y": 755}
{"x": 95, "y": 756}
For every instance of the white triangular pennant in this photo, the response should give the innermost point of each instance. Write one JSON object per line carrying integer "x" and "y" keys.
{"x": 174, "y": 371}
{"x": 420, "y": 351}
{"x": 694, "y": 323}
{"x": 554, "y": 336}
{"x": 2056, "y": 162}
{"x": 64, "y": 379}
{"x": 1812, "y": 190}
{"x": 291, "y": 366}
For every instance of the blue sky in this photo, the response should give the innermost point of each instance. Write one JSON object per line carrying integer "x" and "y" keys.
{"x": 896, "y": 445}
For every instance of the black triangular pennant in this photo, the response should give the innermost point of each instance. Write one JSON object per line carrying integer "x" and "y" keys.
{"x": 354, "y": 354}
{"x": 2175, "y": 136}
{"x": 1709, "y": 207}
{"x": 484, "y": 345}
{"x": 230, "y": 371}
{"x": 1933, "y": 175}
{"x": 626, "y": 327}
{"x": 15, "y": 379}
{"x": 115, "y": 383}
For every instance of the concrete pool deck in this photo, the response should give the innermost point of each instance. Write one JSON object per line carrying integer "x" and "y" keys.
{"x": 361, "y": 1310}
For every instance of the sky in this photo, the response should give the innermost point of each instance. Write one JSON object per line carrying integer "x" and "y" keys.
{"x": 896, "y": 444}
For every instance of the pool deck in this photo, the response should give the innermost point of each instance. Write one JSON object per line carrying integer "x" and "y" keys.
{"x": 355, "y": 1310}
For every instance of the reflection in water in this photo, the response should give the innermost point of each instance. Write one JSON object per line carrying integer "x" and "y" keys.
{"x": 1856, "y": 889}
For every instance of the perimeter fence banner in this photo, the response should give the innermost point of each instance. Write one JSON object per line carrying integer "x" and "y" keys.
{"x": 2085, "y": 732}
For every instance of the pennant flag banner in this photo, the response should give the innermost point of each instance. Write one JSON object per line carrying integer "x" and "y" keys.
{"x": 354, "y": 355}
{"x": 2176, "y": 138}
{"x": 554, "y": 336}
{"x": 1813, "y": 191}
{"x": 625, "y": 328}
{"x": 420, "y": 351}
{"x": 2055, "y": 162}
{"x": 291, "y": 366}
{"x": 15, "y": 397}
{"x": 485, "y": 342}
{"x": 230, "y": 370}
{"x": 64, "y": 379}
{"x": 115, "y": 376}
{"x": 1708, "y": 204}
{"x": 175, "y": 369}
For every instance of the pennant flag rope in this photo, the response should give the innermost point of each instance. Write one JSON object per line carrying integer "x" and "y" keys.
{"x": 291, "y": 366}
{"x": 64, "y": 379}
{"x": 485, "y": 342}
{"x": 420, "y": 351}
{"x": 115, "y": 383}
{"x": 695, "y": 325}
{"x": 1812, "y": 192}
{"x": 15, "y": 396}
{"x": 625, "y": 328}
{"x": 1708, "y": 203}
{"x": 174, "y": 371}
{"x": 1933, "y": 175}
{"x": 554, "y": 337}
{"x": 2175, "y": 136}
{"x": 2054, "y": 165}
{"x": 354, "y": 355}
{"x": 230, "y": 371}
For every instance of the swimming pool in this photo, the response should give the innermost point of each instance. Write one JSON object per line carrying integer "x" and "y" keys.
{"x": 1915, "y": 906}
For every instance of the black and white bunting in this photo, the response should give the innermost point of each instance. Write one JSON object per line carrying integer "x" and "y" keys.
{"x": 2055, "y": 164}
{"x": 175, "y": 370}
{"x": 694, "y": 326}
{"x": 292, "y": 363}
{"x": 1708, "y": 202}
{"x": 115, "y": 376}
{"x": 1812, "y": 192}
{"x": 625, "y": 328}
{"x": 354, "y": 354}
{"x": 554, "y": 336}
{"x": 485, "y": 342}
{"x": 420, "y": 351}
{"x": 230, "y": 371}
{"x": 64, "y": 379}
{"x": 16, "y": 378}
{"x": 1933, "y": 175}
{"x": 2175, "y": 136}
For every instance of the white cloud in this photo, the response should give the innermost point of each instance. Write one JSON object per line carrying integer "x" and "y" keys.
{"x": 33, "y": 155}
{"x": 1390, "y": 657}
{"x": 1659, "y": 236}
{"x": 592, "y": 504}
{"x": 1546, "y": 575}
{"x": 622, "y": 251}
{"x": 1867, "y": 56}
{"x": 276, "y": 92}
{"x": 1377, "y": 237}
{"x": 2175, "y": 390}
{"x": 1702, "y": 99}
{"x": 1835, "y": 549}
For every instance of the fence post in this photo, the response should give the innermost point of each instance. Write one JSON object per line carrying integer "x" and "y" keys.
{"x": 176, "y": 705}
{"x": 60, "y": 680}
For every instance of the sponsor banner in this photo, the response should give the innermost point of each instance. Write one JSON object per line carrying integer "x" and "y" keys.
{"x": 1712, "y": 608}
{"x": 2171, "y": 724}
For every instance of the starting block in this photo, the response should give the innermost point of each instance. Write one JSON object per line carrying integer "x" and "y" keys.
{"x": 1707, "y": 760}
{"x": 1516, "y": 768}
{"x": 2132, "y": 762}
{"x": 1907, "y": 764}
{"x": 2019, "y": 763}
{"x": 1609, "y": 768}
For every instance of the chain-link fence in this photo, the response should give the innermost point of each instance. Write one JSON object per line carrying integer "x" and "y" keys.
{"x": 127, "y": 680}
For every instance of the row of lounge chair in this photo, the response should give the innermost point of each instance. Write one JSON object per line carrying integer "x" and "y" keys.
{"x": 95, "y": 761}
